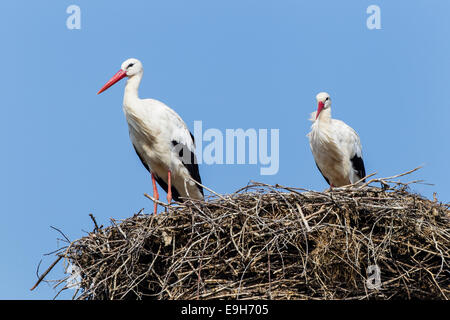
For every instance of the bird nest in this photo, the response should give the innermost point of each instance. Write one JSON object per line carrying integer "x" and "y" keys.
{"x": 272, "y": 242}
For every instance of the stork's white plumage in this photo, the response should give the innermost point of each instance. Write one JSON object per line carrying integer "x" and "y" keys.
{"x": 335, "y": 146}
{"x": 160, "y": 137}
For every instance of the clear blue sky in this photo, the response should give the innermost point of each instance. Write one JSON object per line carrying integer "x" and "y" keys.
{"x": 232, "y": 64}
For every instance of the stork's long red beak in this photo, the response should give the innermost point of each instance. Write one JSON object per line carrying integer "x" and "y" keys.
{"x": 319, "y": 109}
{"x": 117, "y": 77}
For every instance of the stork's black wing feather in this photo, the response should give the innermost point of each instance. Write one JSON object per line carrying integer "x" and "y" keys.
{"x": 189, "y": 160}
{"x": 358, "y": 166}
{"x": 326, "y": 179}
{"x": 161, "y": 182}
{"x": 142, "y": 159}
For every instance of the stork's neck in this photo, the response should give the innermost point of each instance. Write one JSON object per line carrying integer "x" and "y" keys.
{"x": 324, "y": 116}
{"x": 131, "y": 89}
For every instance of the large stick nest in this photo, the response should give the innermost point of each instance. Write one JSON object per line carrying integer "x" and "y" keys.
{"x": 273, "y": 242}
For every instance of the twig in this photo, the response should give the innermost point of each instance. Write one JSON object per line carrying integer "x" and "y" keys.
{"x": 305, "y": 222}
{"x": 95, "y": 222}
{"x": 46, "y": 272}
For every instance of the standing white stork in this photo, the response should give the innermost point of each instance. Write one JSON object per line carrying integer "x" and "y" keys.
{"x": 160, "y": 137}
{"x": 335, "y": 146}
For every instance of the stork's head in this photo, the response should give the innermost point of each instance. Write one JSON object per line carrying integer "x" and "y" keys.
{"x": 129, "y": 68}
{"x": 323, "y": 101}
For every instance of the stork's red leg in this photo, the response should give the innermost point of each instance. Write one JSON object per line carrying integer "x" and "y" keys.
{"x": 169, "y": 187}
{"x": 155, "y": 192}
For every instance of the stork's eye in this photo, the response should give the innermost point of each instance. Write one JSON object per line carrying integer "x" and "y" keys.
{"x": 130, "y": 65}
{"x": 327, "y": 98}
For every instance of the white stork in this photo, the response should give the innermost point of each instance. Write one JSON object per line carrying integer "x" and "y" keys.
{"x": 160, "y": 137}
{"x": 335, "y": 146}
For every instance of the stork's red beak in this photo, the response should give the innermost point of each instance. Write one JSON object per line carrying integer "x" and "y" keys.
{"x": 117, "y": 77}
{"x": 319, "y": 109}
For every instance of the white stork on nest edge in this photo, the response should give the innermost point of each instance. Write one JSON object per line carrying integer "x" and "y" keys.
{"x": 335, "y": 146}
{"x": 160, "y": 137}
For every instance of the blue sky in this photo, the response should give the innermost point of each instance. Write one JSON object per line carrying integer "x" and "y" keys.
{"x": 231, "y": 64}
